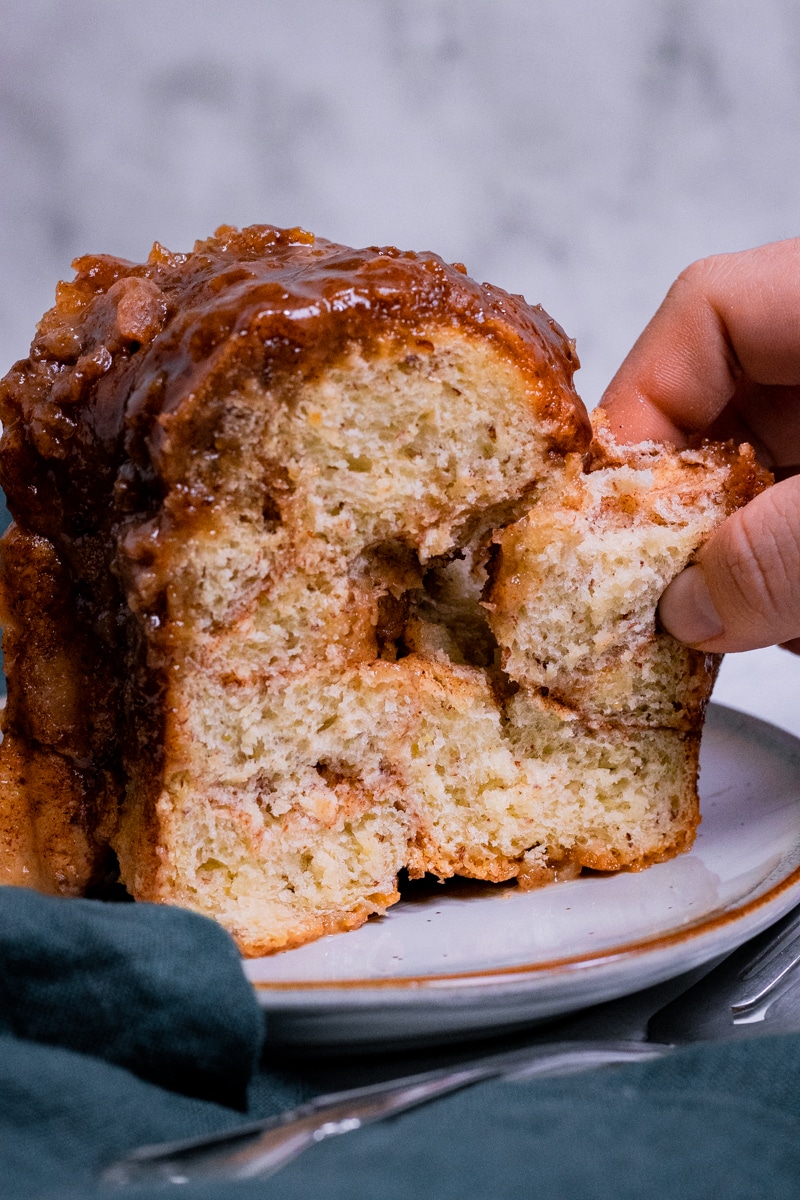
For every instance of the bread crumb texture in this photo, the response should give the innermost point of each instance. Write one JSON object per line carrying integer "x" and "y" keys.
{"x": 359, "y": 595}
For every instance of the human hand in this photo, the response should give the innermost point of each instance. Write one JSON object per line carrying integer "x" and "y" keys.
{"x": 721, "y": 358}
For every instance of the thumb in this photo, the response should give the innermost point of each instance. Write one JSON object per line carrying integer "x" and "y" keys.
{"x": 744, "y": 591}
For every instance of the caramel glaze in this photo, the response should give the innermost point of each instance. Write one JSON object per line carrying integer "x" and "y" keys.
{"x": 125, "y": 383}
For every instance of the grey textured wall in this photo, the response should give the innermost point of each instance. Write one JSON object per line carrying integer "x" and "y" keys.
{"x": 579, "y": 151}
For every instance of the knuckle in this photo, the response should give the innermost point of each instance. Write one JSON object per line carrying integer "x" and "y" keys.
{"x": 698, "y": 271}
{"x": 701, "y": 275}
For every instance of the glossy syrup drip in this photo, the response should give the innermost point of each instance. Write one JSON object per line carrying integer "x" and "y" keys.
{"x": 125, "y": 343}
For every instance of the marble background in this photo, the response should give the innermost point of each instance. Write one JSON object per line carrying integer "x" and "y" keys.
{"x": 579, "y": 151}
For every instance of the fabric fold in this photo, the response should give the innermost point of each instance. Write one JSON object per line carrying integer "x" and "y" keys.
{"x": 159, "y": 991}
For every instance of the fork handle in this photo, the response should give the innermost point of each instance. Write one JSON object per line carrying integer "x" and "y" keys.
{"x": 276, "y": 1142}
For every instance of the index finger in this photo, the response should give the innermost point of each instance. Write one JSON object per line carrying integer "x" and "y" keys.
{"x": 725, "y": 317}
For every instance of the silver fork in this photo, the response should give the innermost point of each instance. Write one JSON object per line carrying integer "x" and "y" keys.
{"x": 725, "y": 1002}
{"x": 262, "y": 1148}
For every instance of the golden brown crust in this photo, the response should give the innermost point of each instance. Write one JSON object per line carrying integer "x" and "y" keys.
{"x": 309, "y": 930}
{"x": 55, "y": 754}
{"x": 49, "y": 834}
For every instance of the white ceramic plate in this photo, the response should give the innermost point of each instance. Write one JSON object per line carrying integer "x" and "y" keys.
{"x": 455, "y": 961}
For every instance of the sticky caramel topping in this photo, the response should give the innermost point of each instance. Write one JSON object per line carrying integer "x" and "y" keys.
{"x": 125, "y": 343}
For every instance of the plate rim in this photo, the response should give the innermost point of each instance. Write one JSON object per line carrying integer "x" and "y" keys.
{"x": 565, "y": 965}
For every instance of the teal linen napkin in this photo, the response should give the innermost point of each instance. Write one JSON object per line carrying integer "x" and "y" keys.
{"x": 159, "y": 991}
{"x": 109, "y": 1012}
{"x": 711, "y": 1123}
{"x": 716, "y": 1122}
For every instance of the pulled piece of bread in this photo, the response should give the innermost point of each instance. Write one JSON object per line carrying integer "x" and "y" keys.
{"x": 316, "y": 574}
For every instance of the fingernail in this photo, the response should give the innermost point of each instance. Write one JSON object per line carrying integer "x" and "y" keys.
{"x": 687, "y": 610}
